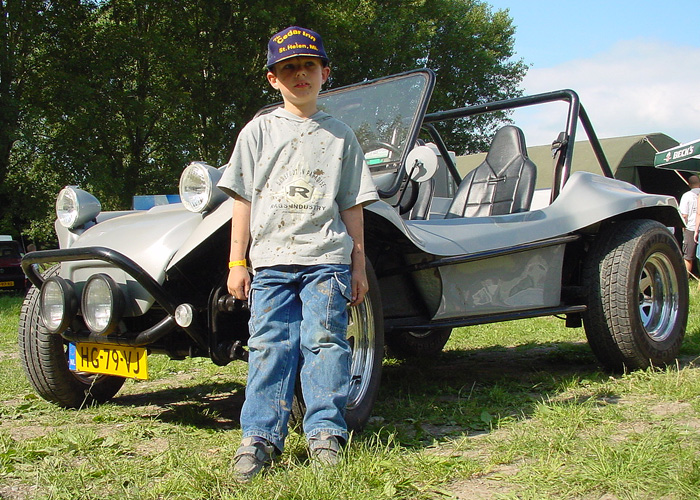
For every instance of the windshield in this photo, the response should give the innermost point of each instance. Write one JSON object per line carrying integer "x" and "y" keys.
{"x": 385, "y": 114}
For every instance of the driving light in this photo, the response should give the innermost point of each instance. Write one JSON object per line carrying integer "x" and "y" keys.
{"x": 198, "y": 190}
{"x": 75, "y": 207}
{"x": 58, "y": 304}
{"x": 184, "y": 314}
{"x": 102, "y": 304}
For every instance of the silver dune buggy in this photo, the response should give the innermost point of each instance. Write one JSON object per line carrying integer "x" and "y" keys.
{"x": 443, "y": 252}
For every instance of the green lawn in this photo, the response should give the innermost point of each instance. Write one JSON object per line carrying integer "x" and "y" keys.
{"x": 513, "y": 410}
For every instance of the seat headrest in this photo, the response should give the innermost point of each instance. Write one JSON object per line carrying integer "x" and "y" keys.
{"x": 508, "y": 143}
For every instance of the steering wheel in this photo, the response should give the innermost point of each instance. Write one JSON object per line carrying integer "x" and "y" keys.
{"x": 373, "y": 145}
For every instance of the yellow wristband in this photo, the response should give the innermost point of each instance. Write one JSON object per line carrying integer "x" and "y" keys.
{"x": 236, "y": 263}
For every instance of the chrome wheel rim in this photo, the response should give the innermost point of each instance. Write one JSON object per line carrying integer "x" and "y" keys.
{"x": 361, "y": 338}
{"x": 658, "y": 297}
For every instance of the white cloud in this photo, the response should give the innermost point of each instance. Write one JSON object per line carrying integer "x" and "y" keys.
{"x": 637, "y": 87}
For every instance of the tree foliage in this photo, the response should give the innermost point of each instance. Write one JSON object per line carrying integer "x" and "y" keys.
{"x": 23, "y": 31}
{"x": 118, "y": 95}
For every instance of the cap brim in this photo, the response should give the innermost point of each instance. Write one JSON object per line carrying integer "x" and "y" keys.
{"x": 292, "y": 56}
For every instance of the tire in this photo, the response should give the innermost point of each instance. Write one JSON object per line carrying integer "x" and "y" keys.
{"x": 366, "y": 337}
{"x": 637, "y": 296}
{"x": 44, "y": 357}
{"x": 408, "y": 344}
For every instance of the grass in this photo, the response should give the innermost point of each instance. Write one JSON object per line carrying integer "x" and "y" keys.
{"x": 513, "y": 410}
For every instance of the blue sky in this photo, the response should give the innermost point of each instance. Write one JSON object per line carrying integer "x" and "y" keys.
{"x": 635, "y": 64}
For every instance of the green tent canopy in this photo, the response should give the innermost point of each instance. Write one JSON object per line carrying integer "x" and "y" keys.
{"x": 684, "y": 157}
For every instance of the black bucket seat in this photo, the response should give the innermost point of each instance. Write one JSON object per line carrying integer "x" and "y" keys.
{"x": 504, "y": 183}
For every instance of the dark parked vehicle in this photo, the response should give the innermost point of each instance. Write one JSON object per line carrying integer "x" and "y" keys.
{"x": 442, "y": 251}
{"x": 11, "y": 275}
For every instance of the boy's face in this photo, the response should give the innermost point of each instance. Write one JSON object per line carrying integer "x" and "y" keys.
{"x": 299, "y": 79}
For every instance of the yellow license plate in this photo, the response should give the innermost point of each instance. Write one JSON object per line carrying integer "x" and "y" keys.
{"x": 7, "y": 283}
{"x": 123, "y": 361}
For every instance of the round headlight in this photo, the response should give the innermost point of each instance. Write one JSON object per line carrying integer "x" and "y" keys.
{"x": 75, "y": 207}
{"x": 58, "y": 304}
{"x": 198, "y": 190}
{"x": 102, "y": 304}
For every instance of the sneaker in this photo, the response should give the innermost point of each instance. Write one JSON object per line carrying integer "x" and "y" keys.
{"x": 251, "y": 457}
{"x": 325, "y": 449}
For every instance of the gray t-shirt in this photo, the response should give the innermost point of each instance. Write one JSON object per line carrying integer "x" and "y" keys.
{"x": 299, "y": 174}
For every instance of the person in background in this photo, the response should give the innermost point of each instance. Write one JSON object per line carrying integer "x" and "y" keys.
{"x": 688, "y": 208}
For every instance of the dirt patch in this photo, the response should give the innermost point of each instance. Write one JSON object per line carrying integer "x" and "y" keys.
{"x": 152, "y": 446}
{"x": 681, "y": 409}
{"x": 25, "y": 432}
{"x": 17, "y": 491}
{"x": 8, "y": 355}
{"x": 667, "y": 409}
{"x": 492, "y": 485}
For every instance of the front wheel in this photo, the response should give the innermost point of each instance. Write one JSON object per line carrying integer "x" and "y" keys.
{"x": 366, "y": 337}
{"x": 637, "y": 296}
{"x": 44, "y": 357}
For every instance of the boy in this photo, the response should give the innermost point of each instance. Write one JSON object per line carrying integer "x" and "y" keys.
{"x": 299, "y": 181}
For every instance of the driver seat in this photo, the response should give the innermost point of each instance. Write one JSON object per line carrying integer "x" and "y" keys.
{"x": 504, "y": 183}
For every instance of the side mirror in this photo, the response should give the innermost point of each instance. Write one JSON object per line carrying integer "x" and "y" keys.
{"x": 421, "y": 164}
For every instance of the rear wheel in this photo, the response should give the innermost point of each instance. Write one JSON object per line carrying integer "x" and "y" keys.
{"x": 637, "y": 296}
{"x": 44, "y": 357}
{"x": 418, "y": 343}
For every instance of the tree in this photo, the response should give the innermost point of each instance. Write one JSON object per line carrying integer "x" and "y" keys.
{"x": 470, "y": 50}
{"x": 22, "y": 31}
{"x": 121, "y": 94}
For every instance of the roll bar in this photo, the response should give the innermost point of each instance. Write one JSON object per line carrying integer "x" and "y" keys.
{"x": 563, "y": 146}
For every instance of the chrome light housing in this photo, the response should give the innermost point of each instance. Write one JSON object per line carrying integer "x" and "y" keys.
{"x": 58, "y": 304}
{"x": 184, "y": 314}
{"x": 75, "y": 207}
{"x": 198, "y": 190}
{"x": 102, "y": 304}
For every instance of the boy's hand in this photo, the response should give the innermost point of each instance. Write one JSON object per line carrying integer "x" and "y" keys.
{"x": 354, "y": 222}
{"x": 238, "y": 282}
{"x": 359, "y": 286}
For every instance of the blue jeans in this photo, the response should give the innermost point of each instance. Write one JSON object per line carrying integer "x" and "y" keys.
{"x": 298, "y": 325}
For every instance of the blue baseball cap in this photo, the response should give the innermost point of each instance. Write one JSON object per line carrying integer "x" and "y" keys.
{"x": 292, "y": 42}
